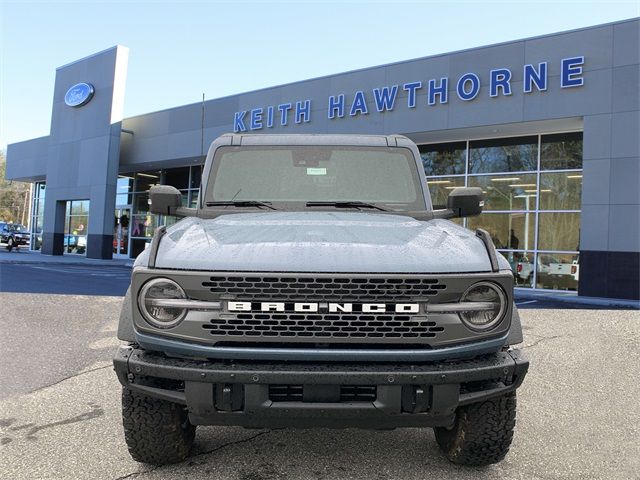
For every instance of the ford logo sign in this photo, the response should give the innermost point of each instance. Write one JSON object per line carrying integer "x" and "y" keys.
{"x": 79, "y": 94}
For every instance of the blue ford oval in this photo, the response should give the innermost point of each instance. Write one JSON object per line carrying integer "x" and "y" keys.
{"x": 79, "y": 94}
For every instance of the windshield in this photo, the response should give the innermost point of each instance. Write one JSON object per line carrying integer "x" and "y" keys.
{"x": 300, "y": 174}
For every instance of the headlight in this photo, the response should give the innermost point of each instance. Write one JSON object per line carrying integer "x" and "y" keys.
{"x": 493, "y": 301}
{"x": 151, "y": 298}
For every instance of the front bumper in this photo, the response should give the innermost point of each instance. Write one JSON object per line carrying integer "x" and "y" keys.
{"x": 241, "y": 393}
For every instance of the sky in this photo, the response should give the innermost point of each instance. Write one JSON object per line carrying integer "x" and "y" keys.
{"x": 182, "y": 49}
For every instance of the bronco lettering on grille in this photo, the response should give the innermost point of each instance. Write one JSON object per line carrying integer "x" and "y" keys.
{"x": 312, "y": 307}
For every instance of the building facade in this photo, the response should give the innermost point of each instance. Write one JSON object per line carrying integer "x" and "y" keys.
{"x": 548, "y": 127}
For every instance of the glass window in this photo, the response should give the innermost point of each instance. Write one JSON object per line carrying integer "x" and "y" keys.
{"x": 79, "y": 207}
{"x": 141, "y": 202}
{"x": 196, "y": 176}
{"x": 124, "y": 199}
{"x": 559, "y": 231}
{"x": 503, "y": 155}
{"x": 561, "y": 151}
{"x": 146, "y": 180}
{"x": 444, "y": 158}
{"x": 440, "y": 187}
{"x": 76, "y": 226}
{"x": 512, "y": 231}
{"x": 177, "y": 177}
{"x": 195, "y": 194}
{"x": 144, "y": 225}
{"x": 522, "y": 266}
{"x": 558, "y": 271}
{"x": 560, "y": 191}
{"x": 125, "y": 184}
{"x": 324, "y": 173}
{"x": 507, "y": 192}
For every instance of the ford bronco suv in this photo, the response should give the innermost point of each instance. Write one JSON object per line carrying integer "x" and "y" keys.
{"x": 314, "y": 285}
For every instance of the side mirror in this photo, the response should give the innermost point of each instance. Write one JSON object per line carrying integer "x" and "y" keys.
{"x": 164, "y": 199}
{"x": 465, "y": 201}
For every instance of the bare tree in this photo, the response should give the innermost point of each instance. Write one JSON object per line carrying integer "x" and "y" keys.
{"x": 14, "y": 197}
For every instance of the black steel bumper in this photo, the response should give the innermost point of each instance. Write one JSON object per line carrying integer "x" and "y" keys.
{"x": 242, "y": 393}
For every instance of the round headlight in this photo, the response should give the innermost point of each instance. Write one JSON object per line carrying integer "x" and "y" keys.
{"x": 150, "y": 303}
{"x": 487, "y": 304}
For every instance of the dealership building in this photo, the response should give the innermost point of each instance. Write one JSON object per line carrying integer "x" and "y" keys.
{"x": 548, "y": 127}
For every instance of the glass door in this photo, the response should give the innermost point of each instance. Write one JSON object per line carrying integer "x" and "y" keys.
{"x": 121, "y": 232}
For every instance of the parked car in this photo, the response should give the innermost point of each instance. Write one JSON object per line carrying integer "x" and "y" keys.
{"x": 14, "y": 235}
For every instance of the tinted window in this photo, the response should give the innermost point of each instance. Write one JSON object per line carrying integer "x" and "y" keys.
{"x": 503, "y": 155}
{"x": 561, "y": 151}
{"x": 444, "y": 158}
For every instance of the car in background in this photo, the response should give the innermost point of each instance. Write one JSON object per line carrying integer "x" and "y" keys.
{"x": 14, "y": 235}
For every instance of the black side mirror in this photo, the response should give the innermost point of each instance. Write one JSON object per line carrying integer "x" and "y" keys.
{"x": 465, "y": 201}
{"x": 164, "y": 199}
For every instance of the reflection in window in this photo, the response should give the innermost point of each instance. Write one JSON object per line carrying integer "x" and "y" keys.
{"x": 561, "y": 151}
{"x": 559, "y": 231}
{"x": 513, "y": 231}
{"x": 560, "y": 191}
{"x": 144, "y": 225}
{"x": 503, "y": 155}
{"x": 558, "y": 271}
{"x": 522, "y": 266}
{"x": 439, "y": 189}
{"x": 37, "y": 216}
{"x": 507, "y": 192}
{"x": 444, "y": 158}
{"x": 193, "y": 203}
{"x": 76, "y": 226}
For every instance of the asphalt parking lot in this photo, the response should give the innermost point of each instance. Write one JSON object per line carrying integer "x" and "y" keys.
{"x": 60, "y": 408}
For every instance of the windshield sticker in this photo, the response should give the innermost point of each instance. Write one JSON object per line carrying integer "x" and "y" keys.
{"x": 316, "y": 171}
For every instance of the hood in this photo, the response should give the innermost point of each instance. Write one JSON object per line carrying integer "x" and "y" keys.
{"x": 320, "y": 242}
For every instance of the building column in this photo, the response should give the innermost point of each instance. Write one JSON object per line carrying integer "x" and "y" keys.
{"x": 53, "y": 226}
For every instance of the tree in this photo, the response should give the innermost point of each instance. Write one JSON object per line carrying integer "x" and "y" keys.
{"x": 14, "y": 197}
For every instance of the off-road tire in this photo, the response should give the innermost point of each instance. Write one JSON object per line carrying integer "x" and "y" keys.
{"x": 482, "y": 432}
{"x": 156, "y": 431}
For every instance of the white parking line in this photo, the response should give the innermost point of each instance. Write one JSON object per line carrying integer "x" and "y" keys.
{"x": 524, "y": 303}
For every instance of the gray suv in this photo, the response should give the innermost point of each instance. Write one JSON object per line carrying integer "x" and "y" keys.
{"x": 314, "y": 285}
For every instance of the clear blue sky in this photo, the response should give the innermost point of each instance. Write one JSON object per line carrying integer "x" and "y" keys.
{"x": 179, "y": 50}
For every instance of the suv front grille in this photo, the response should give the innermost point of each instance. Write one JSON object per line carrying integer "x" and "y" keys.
{"x": 325, "y": 326}
{"x": 322, "y": 288}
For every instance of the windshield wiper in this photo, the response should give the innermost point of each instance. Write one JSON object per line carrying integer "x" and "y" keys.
{"x": 346, "y": 204}
{"x": 241, "y": 203}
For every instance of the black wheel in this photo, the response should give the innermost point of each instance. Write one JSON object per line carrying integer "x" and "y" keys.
{"x": 156, "y": 431}
{"x": 10, "y": 244}
{"x": 482, "y": 432}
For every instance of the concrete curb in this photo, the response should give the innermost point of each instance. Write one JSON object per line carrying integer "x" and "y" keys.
{"x": 577, "y": 299}
{"x": 77, "y": 264}
{"x": 39, "y": 259}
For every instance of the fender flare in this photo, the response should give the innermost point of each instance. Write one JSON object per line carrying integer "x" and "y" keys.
{"x": 125, "y": 324}
{"x": 515, "y": 330}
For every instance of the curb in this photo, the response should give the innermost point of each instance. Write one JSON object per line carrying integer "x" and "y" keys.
{"x": 18, "y": 261}
{"x": 580, "y": 300}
